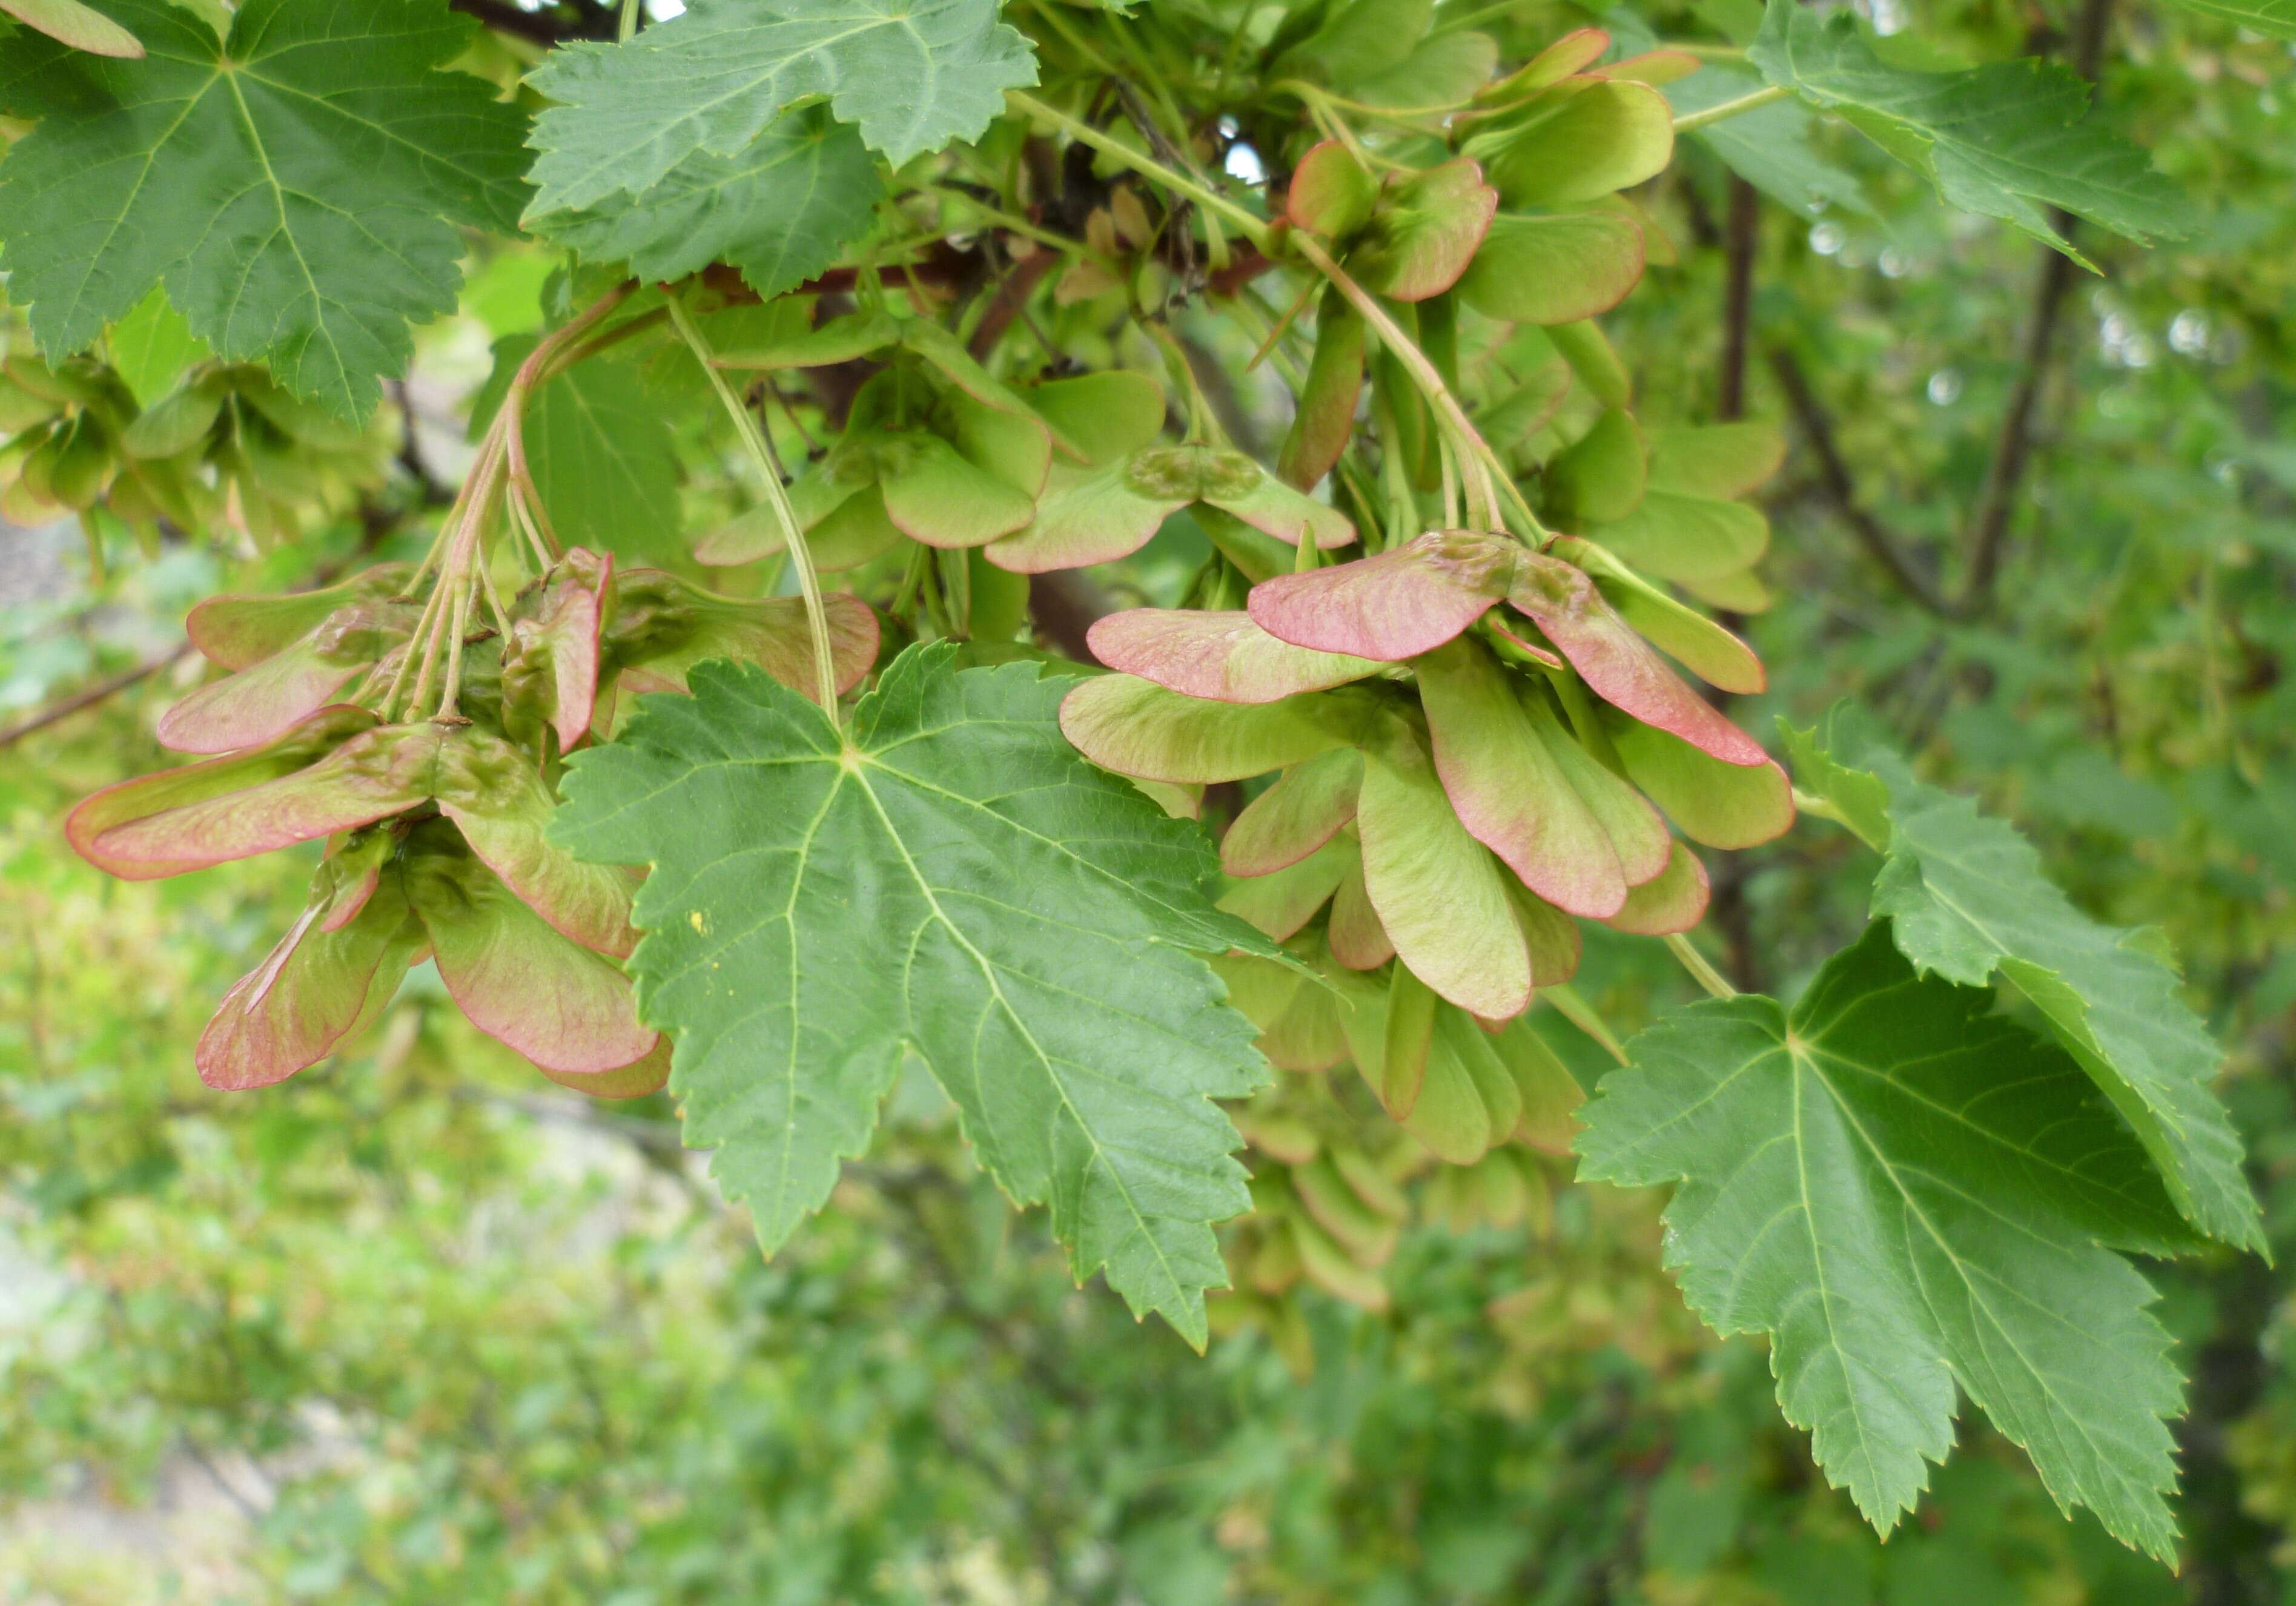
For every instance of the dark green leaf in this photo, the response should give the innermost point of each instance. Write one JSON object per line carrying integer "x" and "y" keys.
{"x": 1967, "y": 900}
{"x": 911, "y": 76}
{"x": 1909, "y": 1194}
{"x": 297, "y": 188}
{"x": 2009, "y": 139}
{"x": 946, "y": 878}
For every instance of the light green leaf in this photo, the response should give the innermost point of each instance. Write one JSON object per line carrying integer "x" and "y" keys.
{"x": 2007, "y": 140}
{"x": 601, "y": 456}
{"x": 1770, "y": 147}
{"x": 1908, "y": 1194}
{"x": 947, "y": 880}
{"x": 297, "y": 188}
{"x": 911, "y": 76}
{"x": 152, "y": 347}
{"x": 780, "y": 212}
{"x": 1967, "y": 900}
{"x": 2275, "y": 19}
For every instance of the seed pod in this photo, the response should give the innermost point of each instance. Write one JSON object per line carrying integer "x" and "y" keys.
{"x": 657, "y": 622}
{"x": 1326, "y": 420}
{"x": 180, "y": 420}
{"x": 1424, "y": 230}
{"x": 238, "y": 631}
{"x": 550, "y": 665}
{"x": 1096, "y": 515}
{"x": 562, "y": 1005}
{"x": 21, "y": 409}
{"x": 1219, "y": 656}
{"x": 258, "y": 703}
{"x": 1280, "y": 902}
{"x": 125, "y": 829}
{"x": 1330, "y": 1267}
{"x": 324, "y": 982}
{"x": 635, "y": 1080}
{"x": 1304, "y": 809}
{"x": 1369, "y": 1237}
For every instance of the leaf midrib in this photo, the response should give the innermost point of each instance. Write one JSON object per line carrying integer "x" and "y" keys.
{"x": 1969, "y": 1279}
{"x": 862, "y": 763}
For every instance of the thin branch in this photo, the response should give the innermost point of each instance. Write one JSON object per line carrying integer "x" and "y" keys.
{"x": 1744, "y": 104}
{"x": 1729, "y": 910}
{"x": 1010, "y": 300}
{"x": 552, "y": 26}
{"x": 1985, "y": 537}
{"x": 1737, "y": 298}
{"x": 88, "y": 697}
{"x": 2013, "y": 446}
{"x": 1833, "y": 475}
{"x": 1065, "y": 605}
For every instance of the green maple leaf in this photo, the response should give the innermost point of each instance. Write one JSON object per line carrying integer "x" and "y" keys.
{"x": 1769, "y": 147}
{"x": 946, "y": 878}
{"x": 1909, "y": 1194}
{"x": 295, "y": 187}
{"x": 911, "y": 75}
{"x": 2007, "y": 140}
{"x": 1967, "y": 900}
{"x": 780, "y": 212}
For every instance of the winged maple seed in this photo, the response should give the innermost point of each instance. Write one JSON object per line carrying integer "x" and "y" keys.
{"x": 435, "y": 828}
{"x": 1448, "y": 788}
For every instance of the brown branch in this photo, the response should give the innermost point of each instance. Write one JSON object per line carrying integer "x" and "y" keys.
{"x": 1011, "y": 295}
{"x": 1733, "y": 915}
{"x": 1842, "y": 490}
{"x": 1176, "y": 216}
{"x": 1986, "y": 537}
{"x": 89, "y": 696}
{"x": 2012, "y": 445}
{"x": 1065, "y": 605}
{"x": 552, "y": 26}
{"x": 1737, "y": 298}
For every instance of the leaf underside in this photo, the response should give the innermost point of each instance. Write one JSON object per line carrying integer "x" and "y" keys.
{"x": 1911, "y": 1196}
{"x": 780, "y": 212}
{"x": 1967, "y": 900}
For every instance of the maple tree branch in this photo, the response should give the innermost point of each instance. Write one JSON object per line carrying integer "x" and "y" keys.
{"x": 550, "y": 27}
{"x": 1065, "y": 604}
{"x": 1833, "y": 475}
{"x": 2013, "y": 446}
{"x": 89, "y": 696}
{"x": 1009, "y": 298}
{"x": 1737, "y": 298}
{"x": 1732, "y": 915}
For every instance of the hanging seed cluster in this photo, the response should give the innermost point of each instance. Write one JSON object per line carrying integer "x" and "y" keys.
{"x": 227, "y": 449}
{"x": 435, "y": 827}
{"x": 1452, "y": 687}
